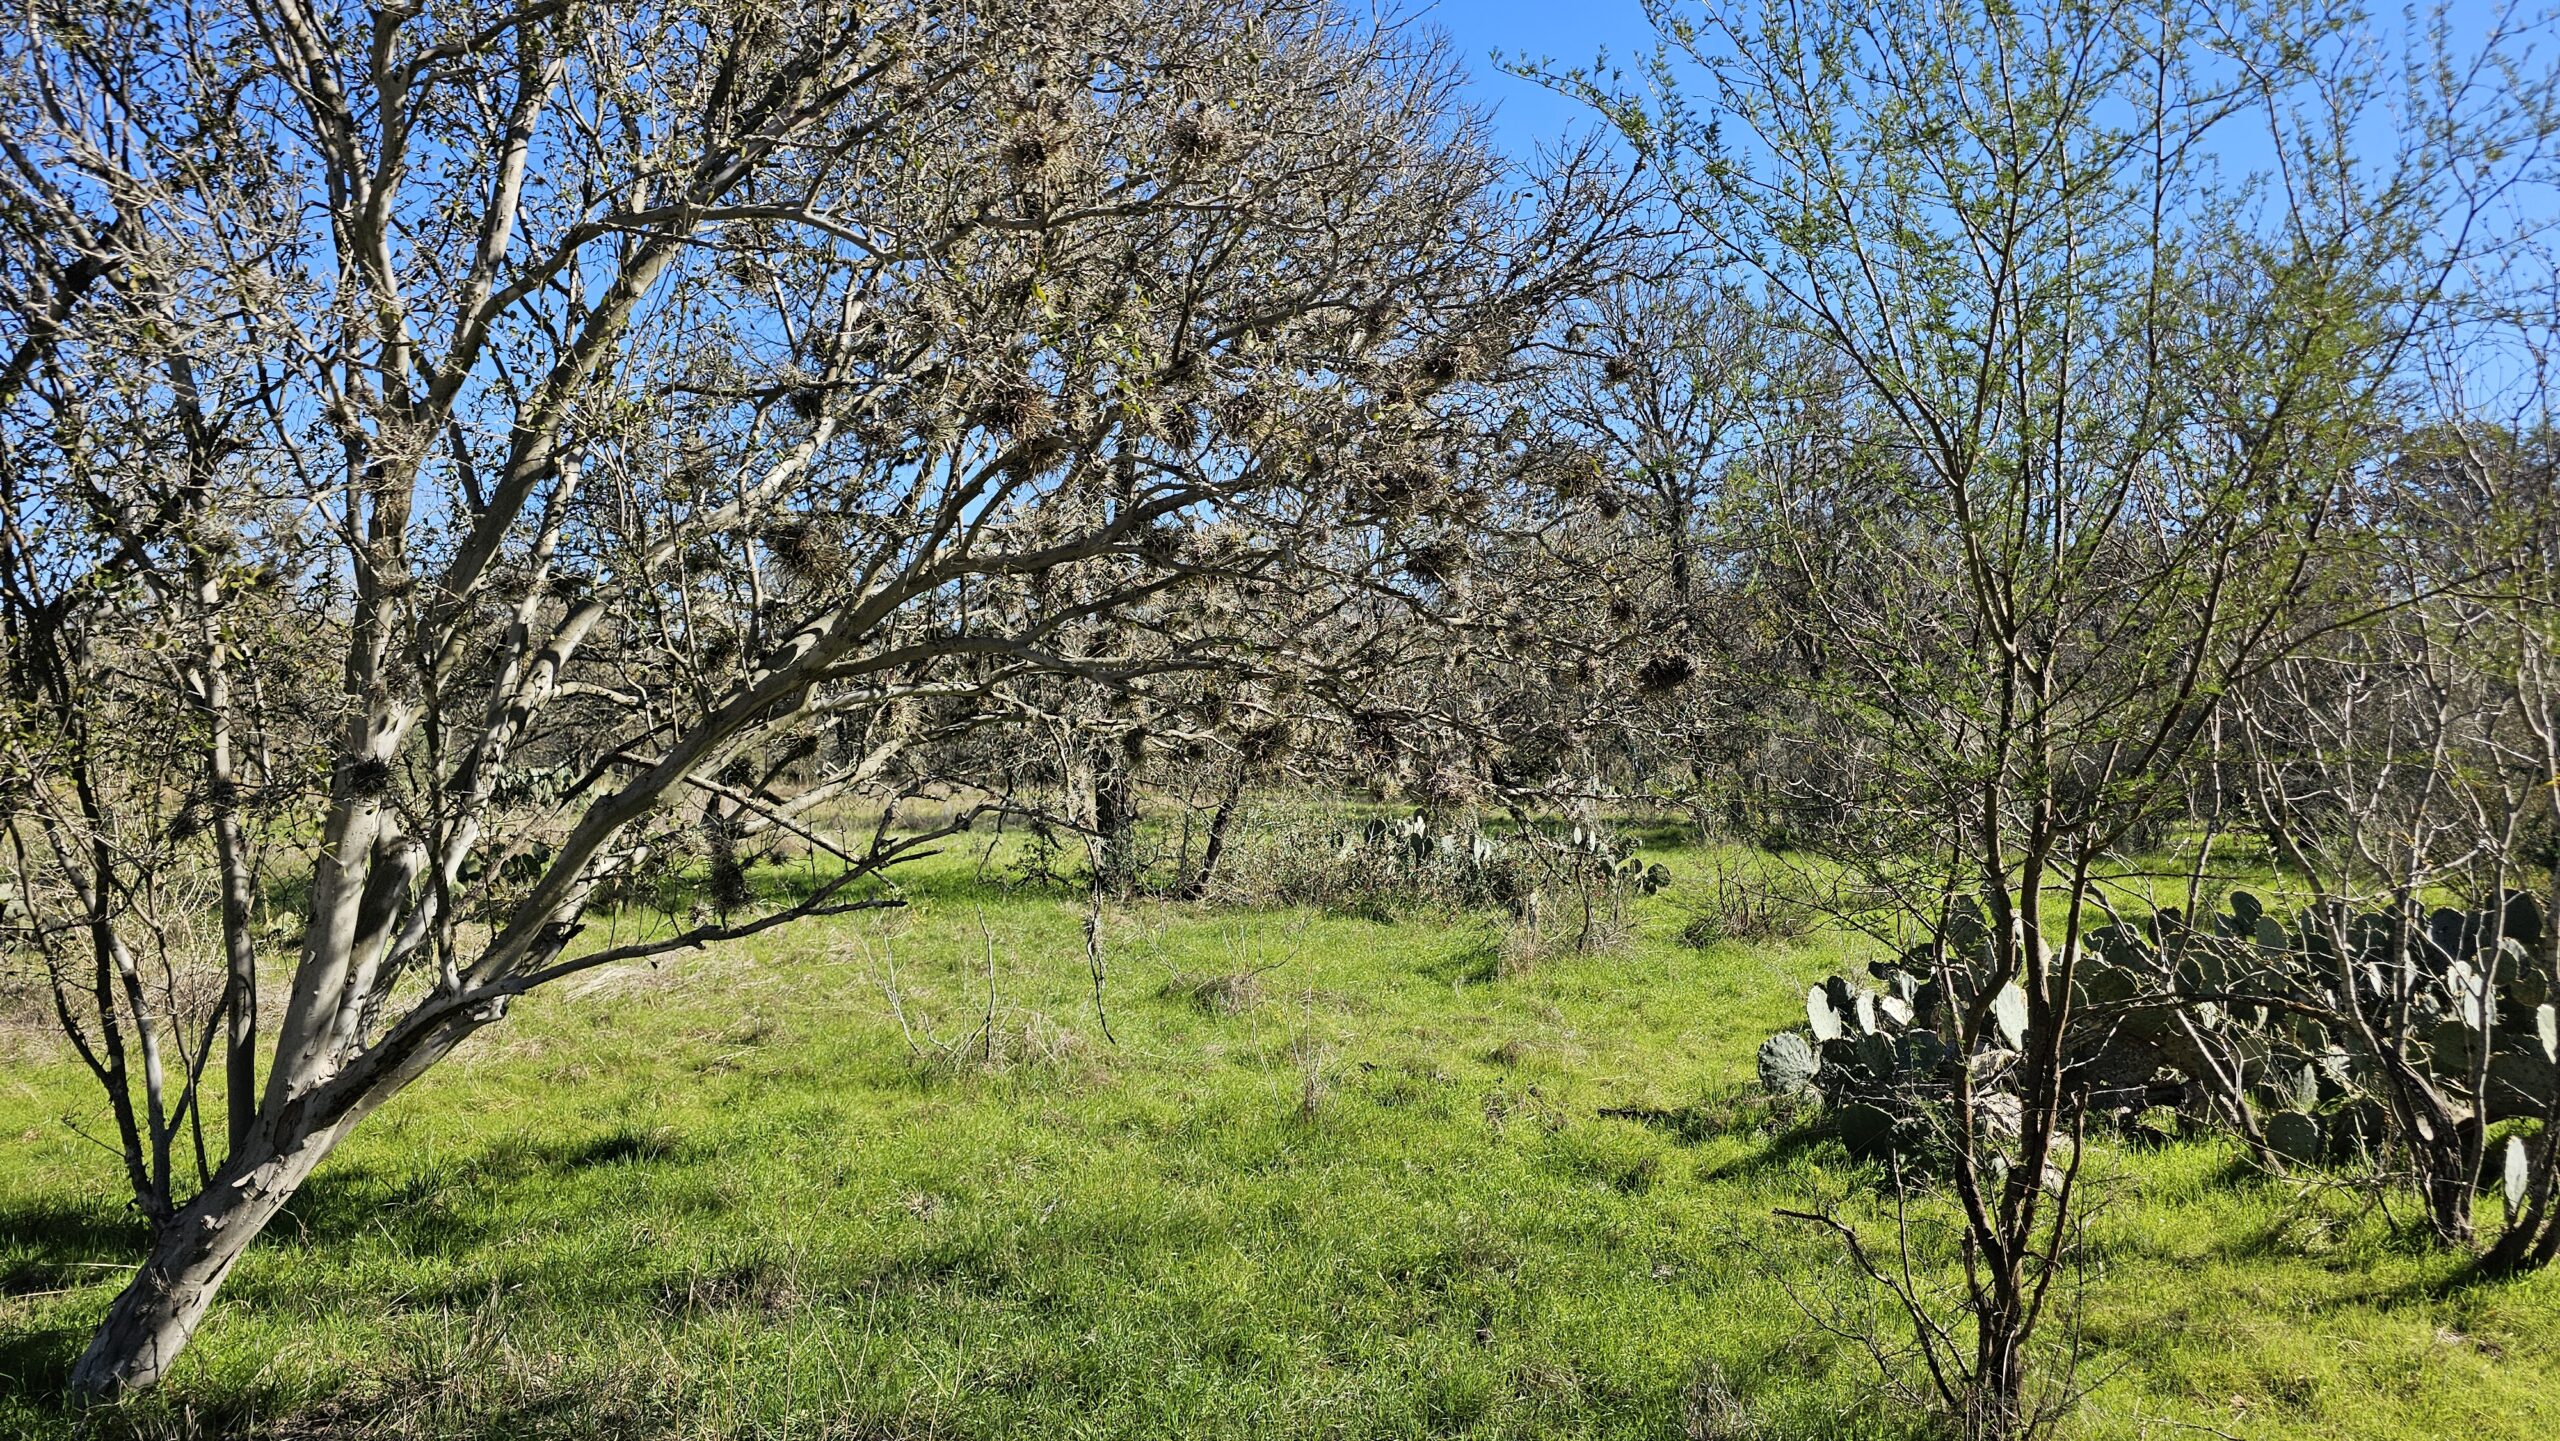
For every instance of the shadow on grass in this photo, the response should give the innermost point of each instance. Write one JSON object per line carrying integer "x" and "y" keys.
{"x": 1742, "y": 1112}
{"x": 1471, "y": 964}
{"x": 260, "y": 1412}
{"x": 51, "y": 1234}
{"x": 52, "y": 1248}
{"x": 51, "y": 1245}
{"x": 627, "y": 1146}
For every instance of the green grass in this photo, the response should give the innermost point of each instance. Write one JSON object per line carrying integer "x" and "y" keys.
{"x": 1371, "y": 1193}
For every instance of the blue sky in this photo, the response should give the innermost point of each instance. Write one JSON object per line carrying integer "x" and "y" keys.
{"x": 1573, "y": 32}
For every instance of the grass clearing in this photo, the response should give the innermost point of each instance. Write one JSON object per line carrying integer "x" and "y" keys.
{"x": 1333, "y": 1177}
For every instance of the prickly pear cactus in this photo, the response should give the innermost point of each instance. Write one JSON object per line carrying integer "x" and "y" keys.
{"x": 1820, "y": 1018}
{"x": 2295, "y": 1135}
{"x": 1788, "y": 1065}
{"x": 2230, "y": 1011}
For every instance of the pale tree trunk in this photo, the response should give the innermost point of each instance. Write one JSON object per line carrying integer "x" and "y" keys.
{"x": 231, "y": 849}
{"x": 1112, "y": 800}
{"x": 159, "y": 1309}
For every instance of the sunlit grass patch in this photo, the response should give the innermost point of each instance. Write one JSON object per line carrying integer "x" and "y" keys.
{"x": 1383, "y": 1196}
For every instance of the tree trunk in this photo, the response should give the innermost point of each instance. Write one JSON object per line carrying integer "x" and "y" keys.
{"x": 1115, "y": 823}
{"x": 231, "y": 847}
{"x": 240, "y": 951}
{"x": 1217, "y": 846}
{"x": 2449, "y": 1210}
{"x": 2448, "y": 1173}
{"x": 1996, "y": 1409}
{"x": 191, "y": 1255}
{"x": 159, "y": 1309}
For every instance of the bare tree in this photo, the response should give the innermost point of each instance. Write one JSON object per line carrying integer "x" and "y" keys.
{"x": 2407, "y": 760}
{"x": 656, "y": 426}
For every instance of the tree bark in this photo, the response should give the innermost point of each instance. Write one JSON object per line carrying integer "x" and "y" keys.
{"x": 1216, "y": 848}
{"x": 159, "y": 1309}
{"x": 231, "y": 848}
{"x": 153, "y": 1318}
{"x": 1997, "y": 1408}
{"x": 1114, "y": 804}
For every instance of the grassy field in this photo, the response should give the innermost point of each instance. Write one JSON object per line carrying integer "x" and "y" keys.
{"x": 1326, "y": 1177}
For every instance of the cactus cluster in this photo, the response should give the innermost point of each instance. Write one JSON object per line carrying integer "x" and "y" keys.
{"x": 1488, "y": 870}
{"x": 2287, "y": 1025}
{"x": 1413, "y": 839}
{"x": 1882, "y": 1059}
{"x": 2244, "y": 1021}
{"x": 1409, "y": 857}
{"x": 1613, "y": 858}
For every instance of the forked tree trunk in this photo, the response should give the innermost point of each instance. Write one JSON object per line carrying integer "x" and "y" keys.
{"x": 150, "y": 1323}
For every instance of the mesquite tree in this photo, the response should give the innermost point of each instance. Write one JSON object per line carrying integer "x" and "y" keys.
{"x": 2098, "y": 410}
{"x": 2408, "y": 760}
{"x": 478, "y": 476}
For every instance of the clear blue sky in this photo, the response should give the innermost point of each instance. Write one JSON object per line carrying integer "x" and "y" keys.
{"x": 1575, "y": 32}
{"x": 1570, "y": 32}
